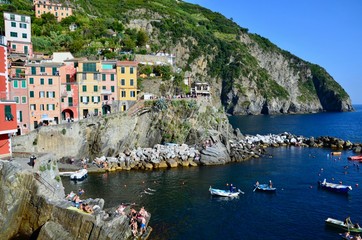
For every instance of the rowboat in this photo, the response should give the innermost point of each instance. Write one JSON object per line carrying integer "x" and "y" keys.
{"x": 336, "y": 153}
{"x": 355, "y": 158}
{"x": 345, "y": 236}
{"x": 346, "y": 225}
{"x": 264, "y": 188}
{"x": 79, "y": 175}
{"x": 335, "y": 187}
{"x": 224, "y": 193}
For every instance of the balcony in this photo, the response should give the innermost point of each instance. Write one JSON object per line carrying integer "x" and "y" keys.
{"x": 106, "y": 92}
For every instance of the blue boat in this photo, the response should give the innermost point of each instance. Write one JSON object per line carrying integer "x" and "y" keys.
{"x": 224, "y": 193}
{"x": 264, "y": 188}
{"x": 335, "y": 187}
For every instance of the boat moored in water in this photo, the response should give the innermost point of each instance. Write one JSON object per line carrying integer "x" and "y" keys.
{"x": 224, "y": 193}
{"x": 79, "y": 175}
{"x": 355, "y": 158}
{"x": 334, "y": 187}
{"x": 264, "y": 188}
{"x": 347, "y": 225}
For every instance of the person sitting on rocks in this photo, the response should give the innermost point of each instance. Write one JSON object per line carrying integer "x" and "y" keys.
{"x": 81, "y": 191}
{"x": 120, "y": 209}
{"x": 143, "y": 212}
{"x": 134, "y": 226}
{"x": 86, "y": 208}
{"x": 143, "y": 225}
{"x": 77, "y": 201}
{"x": 70, "y": 196}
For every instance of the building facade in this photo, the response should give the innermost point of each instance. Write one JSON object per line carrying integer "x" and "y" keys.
{"x": 18, "y": 33}
{"x": 59, "y": 10}
{"x": 127, "y": 84}
{"x": 69, "y": 92}
{"x": 108, "y": 84}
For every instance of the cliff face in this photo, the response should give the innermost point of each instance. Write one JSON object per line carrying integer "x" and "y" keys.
{"x": 178, "y": 121}
{"x": 32, "y": 205}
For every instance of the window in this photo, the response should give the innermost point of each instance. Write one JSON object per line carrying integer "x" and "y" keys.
{"x": 13, "y": 46}
{"x": 84, "y": 88}
{"x": 55, "y": 71}
{"x": 41, "y": 81}
{"x": 23, "y": 99}
{"x": 105, "y": 97}
{"x": 123, "y": 70}
{"x": 89, "y": 67}
{"x": 42, "y": 69}
{"x": 16, "y": 99}
{"x": 104, "y": 87}
{"x": 50, "y": 94}
{"x": 50, "y": 81}
{"x": 22, "y": 25}
{"x": 103, "y": 77}
{"x": 13, "y": 34}
{"x": 24, "y": 35}
{"x": 50, "y": 107}
{"x": 131, "y": 70}
{"x": 32, "y": 107}
{"x": 123, "y": 82}
{"x": 15, "y": 84}
{"x": 84, "y": 76}
{"x": 13, "y": 24}
{"x": 131, "y": 82}
{"x": 31, "y": 94}
{"x": 33, "y": 70}
{"x": 23, "y": 18}
{"x": 42, "y": 107}
{"x": 69, "y": 87}
{"x": 123, "y": 94}
{"x": 31, "y": 80}
{"x": 133, "y": 94}
{"x": 67, "y": 77}
{"x": 12, "y": 17}
{"x": 23, "y": 83}
{"x": 112, "y": 77}
{"x": 95, "y": 88}
{"x": 8, "y": 115}
{"x": 21, "y": 117}
{"x": 41, "y": 94}
{"x": 70, "y": 101}
{"x": 95, "y": 76}
{"x": 112, "y": 88}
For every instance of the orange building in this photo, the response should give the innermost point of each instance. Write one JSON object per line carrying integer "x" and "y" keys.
{"x": 44, "y": 93}
{"x": 59, "y": 10}
{"x": 69, "y": 92}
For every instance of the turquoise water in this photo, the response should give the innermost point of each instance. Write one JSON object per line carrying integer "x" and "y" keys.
{"x": 182, "y": 207}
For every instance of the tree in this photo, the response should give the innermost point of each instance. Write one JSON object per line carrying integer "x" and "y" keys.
{"x": 142, "y": 38}
{"x": 128, "y": 43}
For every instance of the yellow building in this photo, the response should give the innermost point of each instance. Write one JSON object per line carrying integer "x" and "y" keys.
{"x": 88, "y": 79}
{"x": 127, "y": 83}
{"x": 59, "y": 10}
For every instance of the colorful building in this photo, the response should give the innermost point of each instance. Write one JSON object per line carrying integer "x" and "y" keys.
{"x": 18, "y": 33}
{"x": 59, "y": 10}
{"x": 127, "y": 84}
{"x": 88, "y": 78}
{"x": 8, "y": 124}
{"x": 44, "y": 93}
{"x": 69, "y": 92}
{"x": 108, "y": 84}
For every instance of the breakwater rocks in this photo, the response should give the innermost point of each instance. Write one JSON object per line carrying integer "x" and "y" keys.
{"x": 214, "y": 151}
{"x": 32, "y": 206}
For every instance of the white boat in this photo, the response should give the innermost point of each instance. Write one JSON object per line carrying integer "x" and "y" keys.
{"x": 79, "y": 175}
{"x": 224, "y": 193}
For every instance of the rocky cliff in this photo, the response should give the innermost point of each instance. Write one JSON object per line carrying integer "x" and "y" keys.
{"x": 32, "y": 205}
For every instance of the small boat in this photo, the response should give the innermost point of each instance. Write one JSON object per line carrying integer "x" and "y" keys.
{"x": 336, "y": 153}
{"x": 355, "y": 158}
{"x": 79, "y": 175}
{"x": 346, "y": 225}
{"x": 345, "y": 236}
{"x": 335, "y": 187}
{"x": 224, "y": 193}
{"x": 264, "y": 188}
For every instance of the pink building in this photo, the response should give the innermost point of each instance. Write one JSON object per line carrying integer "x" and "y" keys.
{"x": 108, "y": 84}
{"x": 69, "y": 92}
{"x": 44, "y": 93}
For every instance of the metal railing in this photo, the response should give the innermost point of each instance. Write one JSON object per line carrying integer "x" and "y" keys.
{"x": 45, "y": 183}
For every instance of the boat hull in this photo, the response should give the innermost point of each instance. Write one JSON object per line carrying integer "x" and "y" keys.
{"x": 355, "y": 158}
{"x": 223, "y": 193}
{"x": 264, "y": 188}
{"x": 333, "y": 187}
{"x": 341, "y": 225}
{"x": 79, "y": 175}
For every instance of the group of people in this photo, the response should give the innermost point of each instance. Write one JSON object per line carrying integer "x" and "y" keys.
{"x": 137, "y": 218}
{"x": 77, "y": 202}
{"x": 348, "y": 235}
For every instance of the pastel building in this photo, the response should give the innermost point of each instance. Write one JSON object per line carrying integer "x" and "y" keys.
{"x": 69, "y": 92}
{"x": 59, "y": 10}
{"x": 18, "y": 33}
{"x": 88, "y": 78}
{"x": 108, "y": 84}
{"x": 127, "y": 83}
{"x": 8, "y": 124}
{"x": 44, "y": 93}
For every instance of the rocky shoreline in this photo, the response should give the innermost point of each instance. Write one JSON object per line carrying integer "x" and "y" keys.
{"x": 213, "y": 151}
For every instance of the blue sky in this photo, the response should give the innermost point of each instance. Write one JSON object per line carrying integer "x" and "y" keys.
{"x": 324, "y": 32}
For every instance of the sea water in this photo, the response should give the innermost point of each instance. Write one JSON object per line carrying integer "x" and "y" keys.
{"x": 182, "y": 207}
